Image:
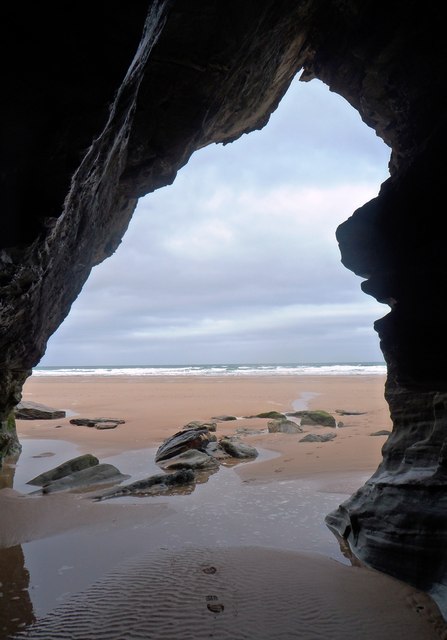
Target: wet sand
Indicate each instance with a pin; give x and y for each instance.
(279, 571)
(155, 408)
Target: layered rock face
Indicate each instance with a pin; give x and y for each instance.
(105, 101)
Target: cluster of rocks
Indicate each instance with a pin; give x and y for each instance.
(188, 457)
(197, 446)
(78, 473)
(281, 423)
(184, 458)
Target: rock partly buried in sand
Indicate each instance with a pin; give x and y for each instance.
(97, 423)
(199, 424)
(215, 450)
(152, 485)
(183, 441)
(44, 454)
(315, 418)
(247, 431)
(99, 474)
(273, 415)
(223, 418)
(66, 468)
(284, 426)
(237, 449)
(191, 459)
(315, 437)
(34, 411)
(382, 432)
(343, 412)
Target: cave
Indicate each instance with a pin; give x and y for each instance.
(105, 102)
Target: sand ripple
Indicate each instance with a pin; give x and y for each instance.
(241, 593)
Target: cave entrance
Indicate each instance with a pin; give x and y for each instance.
(237, 261)
(243, 268)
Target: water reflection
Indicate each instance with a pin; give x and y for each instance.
(219, 510)
(7, 471)
(16, 609)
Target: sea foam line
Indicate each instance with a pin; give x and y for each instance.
(217, 370)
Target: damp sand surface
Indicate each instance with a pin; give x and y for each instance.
(245, 554)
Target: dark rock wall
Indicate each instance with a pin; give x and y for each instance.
(105, 101)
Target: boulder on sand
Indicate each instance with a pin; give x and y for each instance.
(238, 449)
(26, 410)
(284, 426)
(182, 441)
(315, 418)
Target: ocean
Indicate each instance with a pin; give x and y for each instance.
(218, 370)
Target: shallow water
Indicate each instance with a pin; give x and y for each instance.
(241, 593)
(221, 511)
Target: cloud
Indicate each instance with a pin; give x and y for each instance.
(237, 260)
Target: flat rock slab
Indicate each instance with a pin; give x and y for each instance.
(315, 437)
(199, 424)
(66, 468)
(223, 418)
(153, 485)
(97, 423)
(382, 432)
(26, 410)
(343, 412)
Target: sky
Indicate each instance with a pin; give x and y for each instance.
(237, 261)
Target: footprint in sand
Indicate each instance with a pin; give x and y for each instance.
(209, 570)
(213, 606)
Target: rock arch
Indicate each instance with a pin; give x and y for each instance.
(104, 102)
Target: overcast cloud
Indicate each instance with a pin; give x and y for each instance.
(237, 261)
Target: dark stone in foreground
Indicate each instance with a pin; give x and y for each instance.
(26, 410)
(66, 468)
(315, 437)
(99, 474)
(152, 485)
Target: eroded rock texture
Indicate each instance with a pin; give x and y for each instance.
(105, 101)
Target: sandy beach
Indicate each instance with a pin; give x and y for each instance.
(249, 526)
